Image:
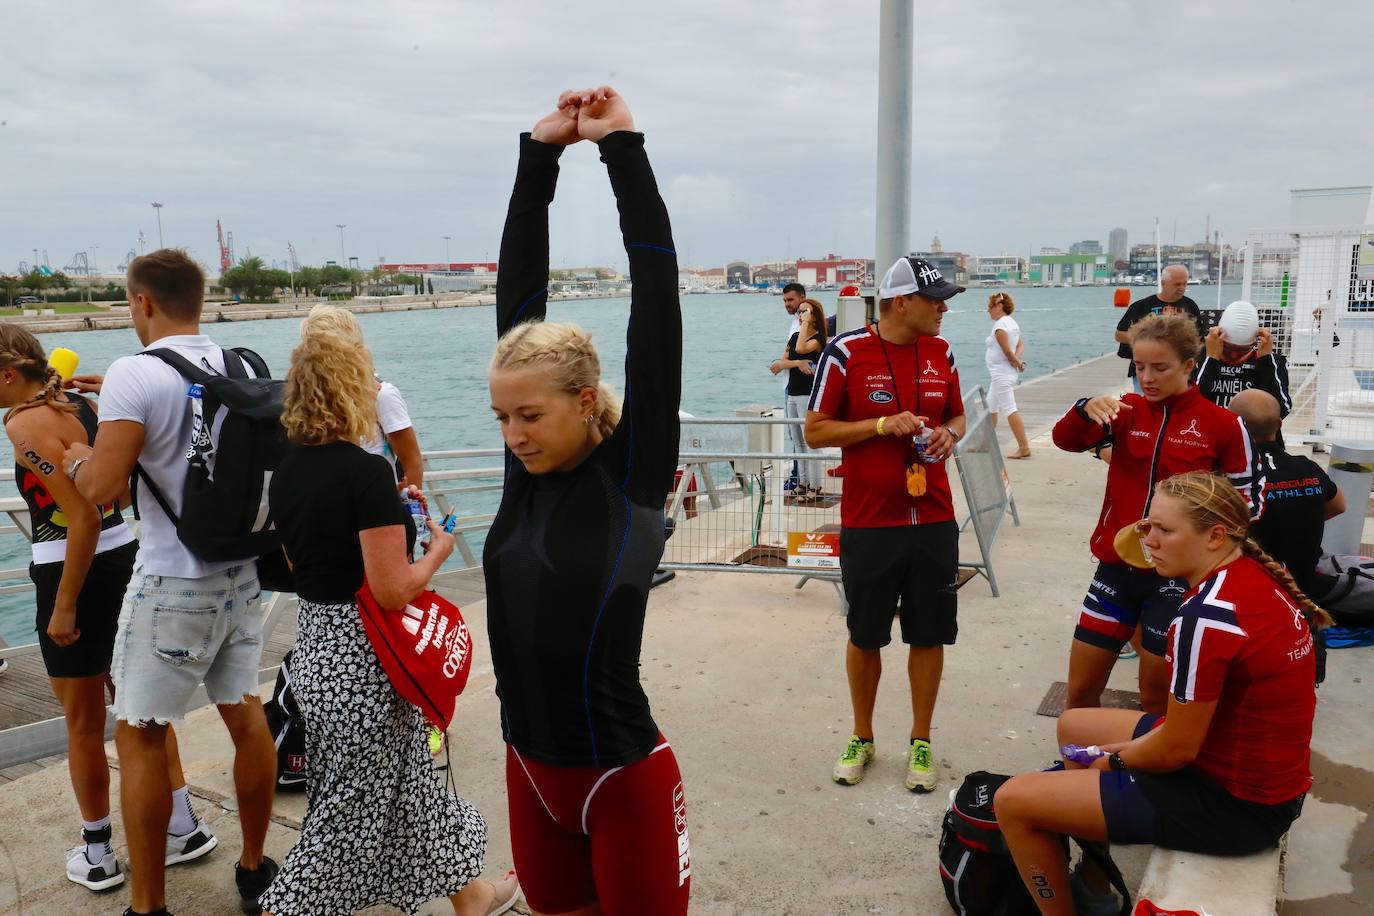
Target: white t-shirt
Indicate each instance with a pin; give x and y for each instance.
(996, 359)
(392, 416)
(146, 390)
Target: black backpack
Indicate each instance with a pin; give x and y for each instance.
(288, 730)
(1349, 589)
(236, 443)
(976, 867)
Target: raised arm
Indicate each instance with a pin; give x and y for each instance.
(653, 357)
(522, 276)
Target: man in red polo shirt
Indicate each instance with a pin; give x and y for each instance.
(879, 391)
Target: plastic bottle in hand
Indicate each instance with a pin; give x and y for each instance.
(421, 519)
(921, 441)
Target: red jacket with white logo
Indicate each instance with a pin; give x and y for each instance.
(1153, 442)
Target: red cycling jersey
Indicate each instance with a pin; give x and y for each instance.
(854, 382)
(1239, 641)
(1153, 441)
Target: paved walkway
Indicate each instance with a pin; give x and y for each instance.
(745, 674)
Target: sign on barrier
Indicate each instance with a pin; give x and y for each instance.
(813, 550)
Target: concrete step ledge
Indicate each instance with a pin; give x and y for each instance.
(1220, 885)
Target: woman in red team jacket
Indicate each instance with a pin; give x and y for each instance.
(1167, 429)
(1226, 771)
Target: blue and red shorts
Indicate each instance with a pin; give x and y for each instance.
(617, 836)
(1119, 598)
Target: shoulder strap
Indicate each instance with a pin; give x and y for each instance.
(254, 361)
(180, 363)
(152, 488)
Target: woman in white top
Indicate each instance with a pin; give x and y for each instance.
(1004, 352)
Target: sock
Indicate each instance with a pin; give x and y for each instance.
(864, 740)
(97, 836)
(184, 819)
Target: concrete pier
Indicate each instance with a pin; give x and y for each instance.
(745, 674)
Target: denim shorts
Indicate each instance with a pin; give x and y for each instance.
(175, 634)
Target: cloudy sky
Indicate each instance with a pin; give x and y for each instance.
(1036, 123)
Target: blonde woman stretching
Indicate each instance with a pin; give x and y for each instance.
(598, 816)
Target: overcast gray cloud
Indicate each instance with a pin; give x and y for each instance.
(1037, 124)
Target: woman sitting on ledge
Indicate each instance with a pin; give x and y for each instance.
(1226, 770)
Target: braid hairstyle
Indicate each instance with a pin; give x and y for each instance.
(567, 356)
(21, 351)
(1208, 500)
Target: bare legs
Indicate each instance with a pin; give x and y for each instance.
(1091, 666)
(1035, 809)
(255, 773)
(864, 668)
(83, 704)
(1018, 429)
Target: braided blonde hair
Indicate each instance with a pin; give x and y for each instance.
(21, 351)
(566, 354)
(1209, 500)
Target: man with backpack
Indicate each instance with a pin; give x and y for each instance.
(185, 619)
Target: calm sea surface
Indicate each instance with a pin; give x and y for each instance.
(438, 359)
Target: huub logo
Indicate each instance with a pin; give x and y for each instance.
(684, 847)
(930, 369)
(1192, 430)
(930, 274)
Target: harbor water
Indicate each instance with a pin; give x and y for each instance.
(438, 359)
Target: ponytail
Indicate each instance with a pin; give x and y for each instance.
(607, 409)
(1314, 615)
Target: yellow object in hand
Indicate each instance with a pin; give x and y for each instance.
(64, 361)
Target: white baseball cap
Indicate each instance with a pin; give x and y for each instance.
(909, 275)
(1239, 324)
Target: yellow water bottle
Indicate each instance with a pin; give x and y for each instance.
(64, 361)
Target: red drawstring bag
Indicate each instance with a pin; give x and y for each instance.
(425, 649)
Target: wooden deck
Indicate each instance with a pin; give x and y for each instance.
(26, 697)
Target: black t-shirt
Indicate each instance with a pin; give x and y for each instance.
(1296, 491)
(1151, 305)
(798, 382)
(321, 497)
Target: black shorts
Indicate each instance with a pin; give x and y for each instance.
(97, 612)
(911, 570)
(1121, 597)
(1185, 810)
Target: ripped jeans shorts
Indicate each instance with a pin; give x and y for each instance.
(175, 634)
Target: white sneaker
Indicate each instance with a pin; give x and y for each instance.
(849, 769)
(99, 877)
(191, 845)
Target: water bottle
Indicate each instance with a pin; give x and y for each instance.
(421, 519)
(1083, 756)
(921, 442)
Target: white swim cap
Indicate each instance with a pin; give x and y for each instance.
(1239, 324)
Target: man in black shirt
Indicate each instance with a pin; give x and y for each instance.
(1298, 495)
(1233, 365)
(1173, 283)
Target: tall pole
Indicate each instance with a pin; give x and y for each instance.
(157, 207)
(343, 259)
(1221, 267)
(1159, 271)
(446, 255)
(896, 29)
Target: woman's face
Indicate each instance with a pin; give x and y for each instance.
(545, 428)
(1161, 373)
(995, 309)
(1177, 548)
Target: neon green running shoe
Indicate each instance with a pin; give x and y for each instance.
(849, 769)
(920, 769)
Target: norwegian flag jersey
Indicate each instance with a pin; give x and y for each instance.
(1239, 641)
(1153, 441)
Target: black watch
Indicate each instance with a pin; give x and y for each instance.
(1116, 763)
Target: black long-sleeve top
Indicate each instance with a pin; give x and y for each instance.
(570, 555)
(1219, 381)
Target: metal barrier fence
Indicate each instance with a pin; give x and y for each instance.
(731, 511)
(1314, 289)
